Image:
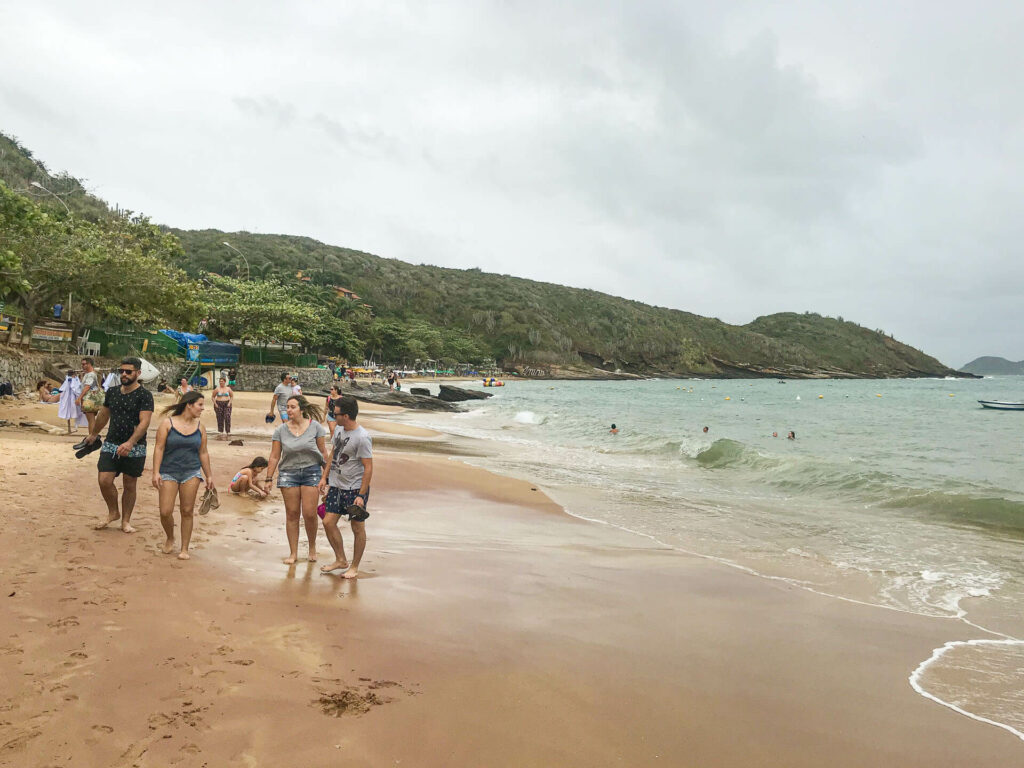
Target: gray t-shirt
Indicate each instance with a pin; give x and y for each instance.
(89, 380)
(300, 452)
(349, 447)
(282, 392)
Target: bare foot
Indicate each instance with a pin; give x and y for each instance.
(168, 547)
(312, 556)
(127, 528)
(337, 565)
(351, 573)
(183, 556)
(110, 519)
(290, 560)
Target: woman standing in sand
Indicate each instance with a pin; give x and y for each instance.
(179, 462)
(223, 399)
(91, 399)
(332, 398)
(299, 451)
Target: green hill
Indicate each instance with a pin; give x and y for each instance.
(994, 366)
(421, 310)
(535, 324)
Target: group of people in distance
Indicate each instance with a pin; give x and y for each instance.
(305, 467)
(791, 436)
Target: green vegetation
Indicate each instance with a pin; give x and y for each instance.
(120, 268)
(532, 324)
(286, 288)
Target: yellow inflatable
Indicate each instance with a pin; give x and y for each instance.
(492, 382)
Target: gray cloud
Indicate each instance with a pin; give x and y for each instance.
(727, 159)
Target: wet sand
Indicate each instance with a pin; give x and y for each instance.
(487, 628)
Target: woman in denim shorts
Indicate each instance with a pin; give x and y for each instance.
(179, 462)
(298, 453)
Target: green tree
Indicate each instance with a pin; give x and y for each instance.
(257, 312)
(44, 251)
(118, 268)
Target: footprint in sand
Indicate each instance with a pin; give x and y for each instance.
(103, 728)
(68, 621)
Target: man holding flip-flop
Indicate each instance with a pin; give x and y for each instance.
(129, 409)
(346, 480)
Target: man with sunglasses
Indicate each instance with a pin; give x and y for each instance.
(129, 409)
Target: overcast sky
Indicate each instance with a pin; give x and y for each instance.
(731, 159)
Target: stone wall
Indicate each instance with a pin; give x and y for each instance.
(263, 378)
(24, 369)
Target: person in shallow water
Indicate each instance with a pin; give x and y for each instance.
(705, 430)
(791, 436)
(614, 430)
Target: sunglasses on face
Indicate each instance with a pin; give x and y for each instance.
(126, 371)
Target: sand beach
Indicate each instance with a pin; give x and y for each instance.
(487, 628)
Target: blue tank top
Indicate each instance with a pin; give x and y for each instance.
(181, 452)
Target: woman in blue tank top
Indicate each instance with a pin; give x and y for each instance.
(179, 463)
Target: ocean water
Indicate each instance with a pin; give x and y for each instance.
(904, 494)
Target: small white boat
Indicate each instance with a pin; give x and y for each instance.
(1002, 405)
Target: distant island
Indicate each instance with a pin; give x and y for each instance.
(994, 366)
(340, 302)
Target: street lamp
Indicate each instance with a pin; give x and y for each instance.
(40, 186)
(229, 245)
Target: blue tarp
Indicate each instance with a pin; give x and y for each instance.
(184, 339)
(197, 347)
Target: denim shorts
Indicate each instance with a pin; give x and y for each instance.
(283, 413)
(303, 476)
(181, 477)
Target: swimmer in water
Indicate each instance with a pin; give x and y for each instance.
(705, 430)
(791, 436)
(614, 430)
(775, 434)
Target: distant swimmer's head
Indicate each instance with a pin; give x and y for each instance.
(775, 434)
(614, 430)
(791, 436)
(705, 430)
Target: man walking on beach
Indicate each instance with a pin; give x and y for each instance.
(279, 400)
(346, 480)
(129, 409)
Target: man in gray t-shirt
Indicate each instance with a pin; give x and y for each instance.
(346, 481)
(279, 400)
(348, 448)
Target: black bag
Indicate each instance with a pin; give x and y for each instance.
(6, 389)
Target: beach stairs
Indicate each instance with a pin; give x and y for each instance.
(188, 371)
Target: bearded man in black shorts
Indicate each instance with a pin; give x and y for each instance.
(129, 409)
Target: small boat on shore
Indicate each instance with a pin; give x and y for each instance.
(1002, 405)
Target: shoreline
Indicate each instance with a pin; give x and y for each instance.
(485, 612)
